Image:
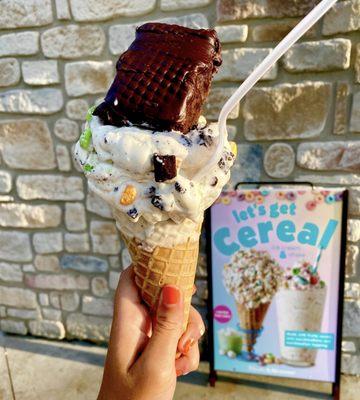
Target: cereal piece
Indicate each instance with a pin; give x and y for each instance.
(128, 196)
(85, 138)
(233, 147)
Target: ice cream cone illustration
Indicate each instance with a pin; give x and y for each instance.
(253, 278)
(148, 152)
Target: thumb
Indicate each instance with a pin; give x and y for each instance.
(167, 329)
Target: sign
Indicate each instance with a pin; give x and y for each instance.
(277, 271)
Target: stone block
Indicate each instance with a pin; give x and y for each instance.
(68, 301)
(10, 272)
(353, 230)
(102, 10)
(329, 156)
(57, 282)
(276, 31)
(341, 108)
(24, 13)
(354, 200)
(18, 215)
(239, 63)
(9, 72)
(83, 263)
(22, 141)
(114, 262)
(77, 109)
(28, 268)
(352, 254)
(274, 113)
(87, 327)
(114, 279)
(19, 44)
(73, 41)
(17, 297)
(50, 187)
(214, 103)
(49, 242)
(66, 130)
(48, 329)
(232, 33)
(44, 299)
(75, 218)
(51, 314)
(5, 182)
(351, 321)
(355, 114)
(97, 205)
(63, 158)
(173, 5)
(279, 160)
(357, 64)
(104, 237)
(95, 306)
(47, 263)
(350, 364)
(233, 10)
(343, 17)
(15, 246)
(77, 242)
(247, 166)
(88, 77)
(62, 9)
(121, 36)
(318, 56)
(352, 290)
(11, 326)
(40, 72)
(99, 286)
(22, 314)
(35, 101)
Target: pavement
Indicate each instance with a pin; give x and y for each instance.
(36, 369)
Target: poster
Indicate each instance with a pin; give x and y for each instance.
(275, 281)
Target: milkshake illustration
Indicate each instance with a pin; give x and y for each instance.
(230, 342)
(253, 278)
(300, 305)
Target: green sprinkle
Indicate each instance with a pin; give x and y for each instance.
(90, 113)
(88, 167)
(303, 281)
(322, 284)
(85, 138)
(296, 271)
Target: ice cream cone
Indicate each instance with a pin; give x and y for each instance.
(164, 266)
(251, 321)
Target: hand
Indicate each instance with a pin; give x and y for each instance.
(145, 356)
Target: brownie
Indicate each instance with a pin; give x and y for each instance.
(163, 79)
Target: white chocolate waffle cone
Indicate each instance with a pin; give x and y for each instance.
(164, 266)
(251, 321)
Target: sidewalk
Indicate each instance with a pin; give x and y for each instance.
(33, 369)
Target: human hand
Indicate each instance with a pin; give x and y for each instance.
(145, 356)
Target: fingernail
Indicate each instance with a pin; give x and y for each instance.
(202, 331)
(170, 295)
(179, 372)
(187, 345)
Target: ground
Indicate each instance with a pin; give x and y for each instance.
(34, 369)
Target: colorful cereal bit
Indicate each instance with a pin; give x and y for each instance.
(85, 139)
(280, 195)
(338, 196)
(301, 192)
(241, 197)
(330, 199)
(259, 199)
(232, 193)
(90, 113)
(319, 198)
(233, 148)
(325, 192)
(249, 197)
(88, 168)
(264, 192)
(128, 196)
(290, 196)
(311, 205)
(226, 201)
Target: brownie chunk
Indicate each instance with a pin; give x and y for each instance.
(163, 79)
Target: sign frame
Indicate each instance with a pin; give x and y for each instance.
(213, 373)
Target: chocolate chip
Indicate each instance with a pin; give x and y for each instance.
(214, 181)
(179, 188)
(105, 140)
(116, 188)
(151, 190)
(164, 167)
(205, 140)
(221, 163)
(133, 213)
(157, 202)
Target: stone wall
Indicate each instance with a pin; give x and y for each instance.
(58, 245)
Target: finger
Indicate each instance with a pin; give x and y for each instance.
(195, 329)
(167, 329)
(188, 362)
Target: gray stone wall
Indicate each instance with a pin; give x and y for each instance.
(59, 248)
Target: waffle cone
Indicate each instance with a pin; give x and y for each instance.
(164, 266)
(251, 319)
